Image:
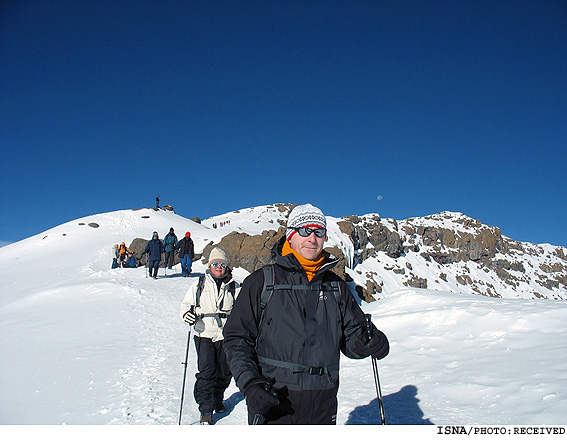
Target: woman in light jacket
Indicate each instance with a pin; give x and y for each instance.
(206, 305)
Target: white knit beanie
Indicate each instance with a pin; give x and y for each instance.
(304, 216)
(217, 255)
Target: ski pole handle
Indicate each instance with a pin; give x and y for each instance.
(368, 325)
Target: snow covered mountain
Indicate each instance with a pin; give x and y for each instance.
(83, 344)
(444, 252)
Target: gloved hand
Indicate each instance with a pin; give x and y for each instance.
(189, 317)
(372, 342)
(261, 397)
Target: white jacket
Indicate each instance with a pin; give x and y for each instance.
(212, 301)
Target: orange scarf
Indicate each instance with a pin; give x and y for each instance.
(310, 266)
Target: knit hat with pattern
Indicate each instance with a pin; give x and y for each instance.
(304, 216)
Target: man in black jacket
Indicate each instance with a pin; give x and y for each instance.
(186, 254)
(283, 348)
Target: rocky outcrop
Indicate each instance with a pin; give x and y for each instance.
(251, 252)
(449, 241)
(246, 251)
(446, 251)
(370, 236)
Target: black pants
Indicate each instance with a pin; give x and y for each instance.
(169, 258)
(300, 407)
(214, 374)
(154, 266)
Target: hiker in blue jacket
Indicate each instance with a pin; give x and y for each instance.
(154, 248)
(170, 242)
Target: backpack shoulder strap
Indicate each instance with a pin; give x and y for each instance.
(336, 288)
(200, 286)
(232, 291)
(267, 290)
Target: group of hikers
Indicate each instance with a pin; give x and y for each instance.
(279, 333)
(124, 257)
(222, 224)
(155, 248)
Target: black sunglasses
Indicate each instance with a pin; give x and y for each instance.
(217, 264)
(306, 231)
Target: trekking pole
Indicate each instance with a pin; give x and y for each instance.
(184, 374)
(368, 323)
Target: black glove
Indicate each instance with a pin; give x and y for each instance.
(372, 342)
(261, 397)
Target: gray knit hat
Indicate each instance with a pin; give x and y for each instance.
(304, 216)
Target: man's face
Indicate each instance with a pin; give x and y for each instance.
(219, 270)
(309, 247)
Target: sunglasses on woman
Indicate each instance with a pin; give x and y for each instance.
(217, 264)
(306, 231)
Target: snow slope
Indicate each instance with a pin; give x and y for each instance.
(83, 344)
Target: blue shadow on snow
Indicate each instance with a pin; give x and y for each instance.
(400, 408)
(230, 403)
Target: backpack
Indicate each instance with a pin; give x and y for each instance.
(131, 262)
(201, 284)
(270, 287)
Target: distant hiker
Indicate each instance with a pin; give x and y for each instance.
(130, 261)
(157, 202)
(206, 305)
(123, 253)
(154, 248)
(170, 242)
(186, 254)
(116, 256)
(288, 326)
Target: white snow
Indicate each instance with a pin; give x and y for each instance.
(82, 344)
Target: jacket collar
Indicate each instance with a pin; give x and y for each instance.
(227, 278)
(291, 262)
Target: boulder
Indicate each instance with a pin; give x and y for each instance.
(246, 251)
(138, 246)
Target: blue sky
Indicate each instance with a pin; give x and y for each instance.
(221, 105)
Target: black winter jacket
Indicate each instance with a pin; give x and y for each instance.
(186, 246)
(299, 327)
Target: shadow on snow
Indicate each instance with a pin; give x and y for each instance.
(230, 403)
(400, 408)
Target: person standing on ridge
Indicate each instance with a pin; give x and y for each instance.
(154, 248)
(170, 242)
(186, 254)
(206, 305)
(157, 202)
(290, 322)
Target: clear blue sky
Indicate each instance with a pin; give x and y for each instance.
(220, 105)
